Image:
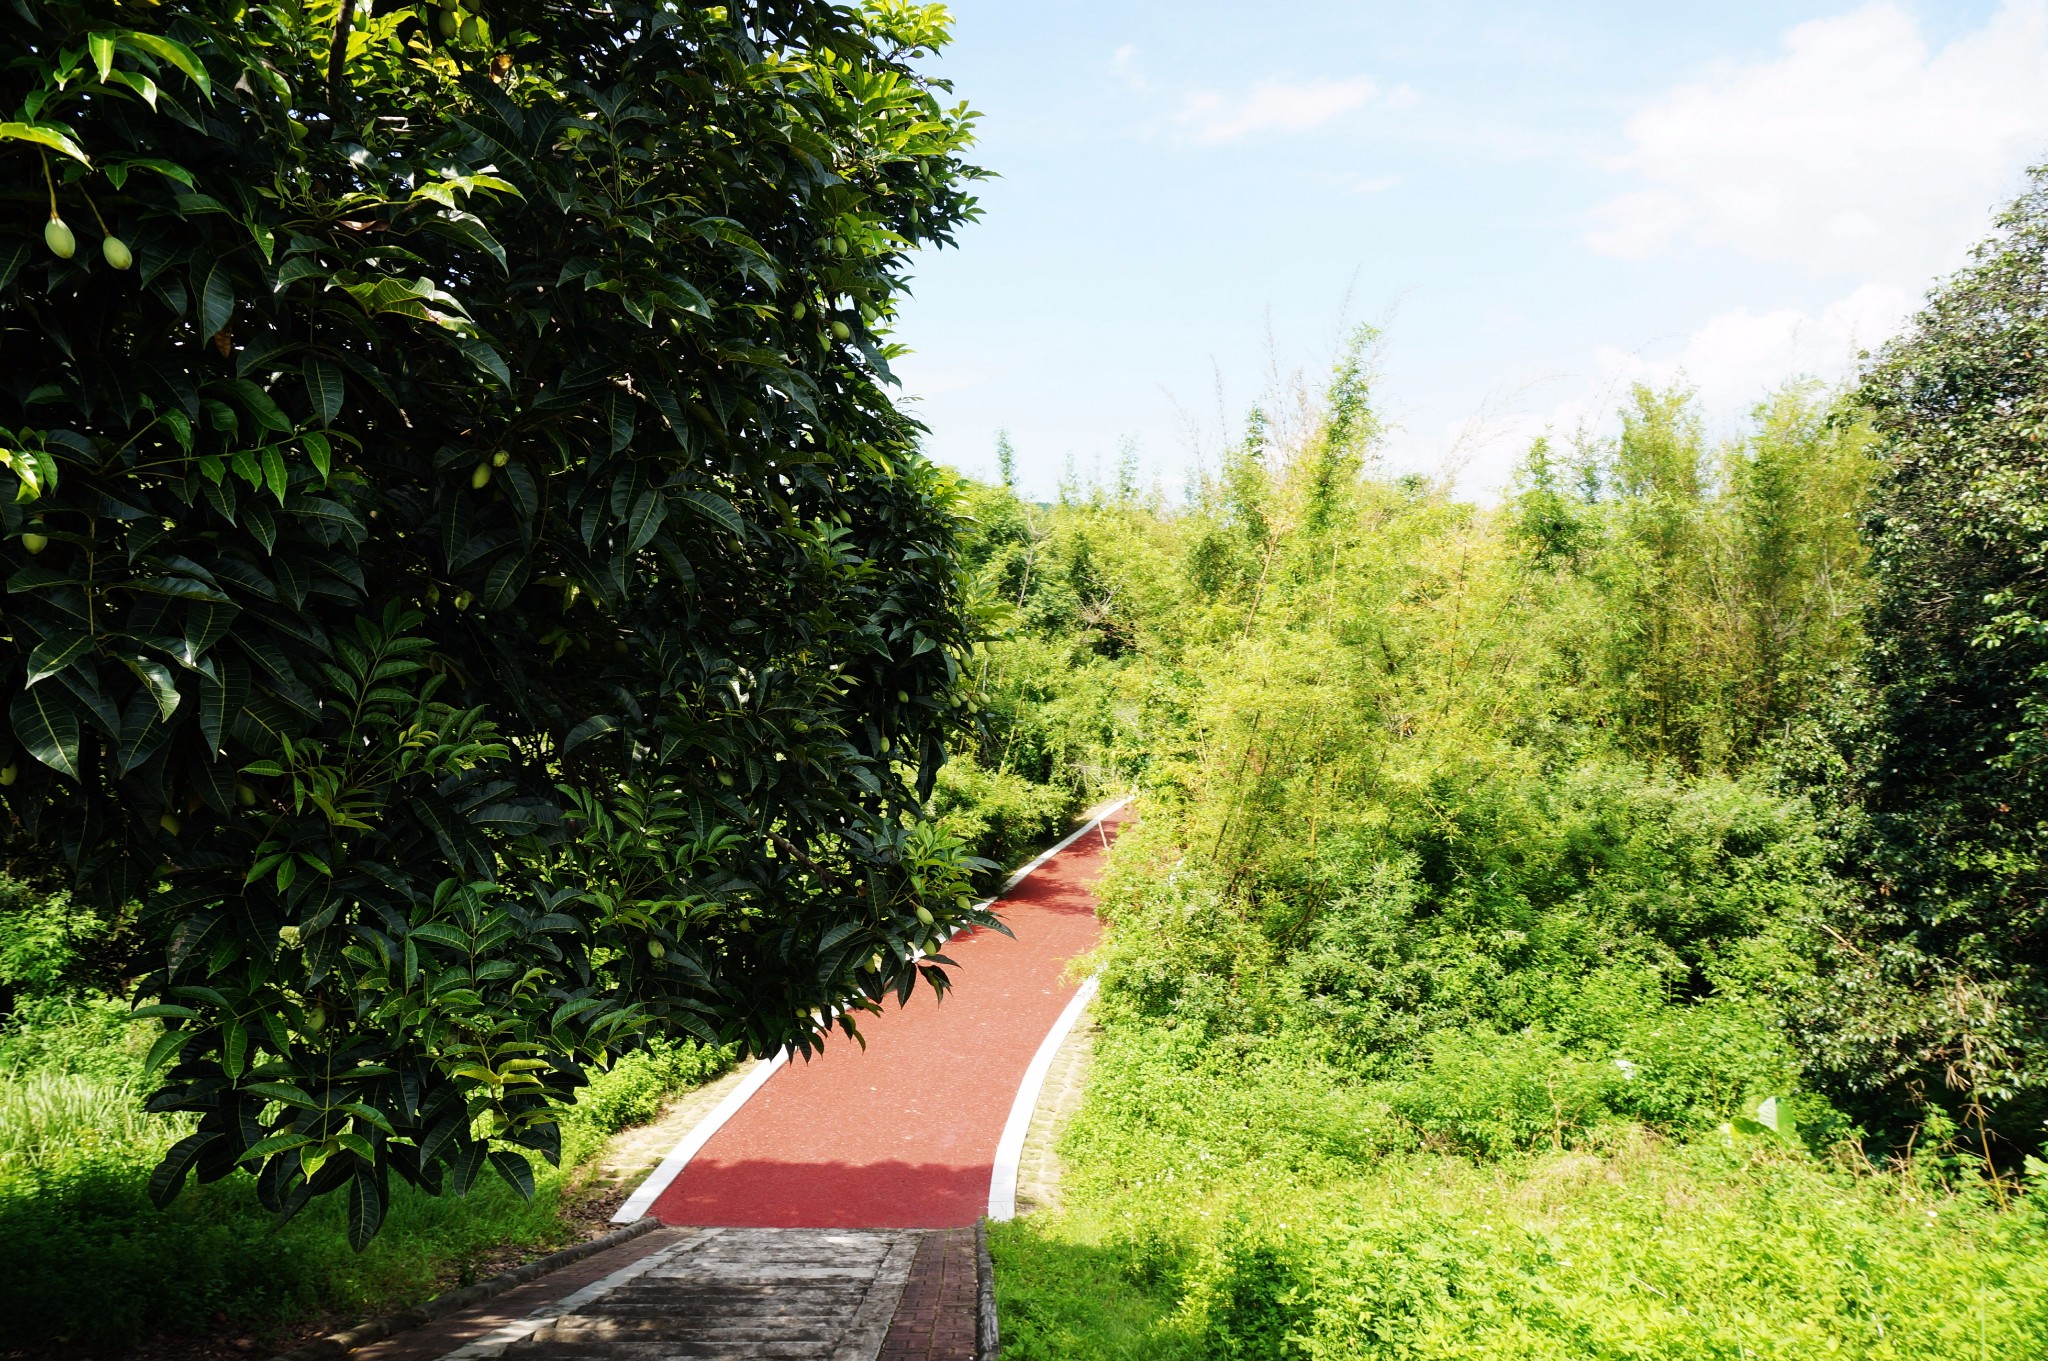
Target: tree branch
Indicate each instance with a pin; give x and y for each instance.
(337, 55)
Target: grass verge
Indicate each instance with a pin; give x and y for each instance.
(92, 1266)
(1249, 1217)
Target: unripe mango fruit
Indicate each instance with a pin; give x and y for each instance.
(481, 478)
(34, 542)
(117, 253)
(58, 237)
(9, 773)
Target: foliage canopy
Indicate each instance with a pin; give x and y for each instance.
(468, 587)
(1939, 979)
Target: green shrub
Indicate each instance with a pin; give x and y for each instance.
(1210, 1213)
(1062, 1299)
(999, 814)
(93, 1261)
(39, 938)
(1490, 1095)
(81, 1033)
(1690, 1068)
(1936, 989)
(634, 1089)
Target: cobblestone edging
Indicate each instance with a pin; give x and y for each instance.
(988, 1338)
(377, 1329)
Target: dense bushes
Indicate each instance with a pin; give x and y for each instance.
(1458, 977)
(634, 1089)
(1936, 990)
(92, 1260)
(1001, 814)
(1637, 1251)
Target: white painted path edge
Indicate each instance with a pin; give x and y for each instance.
(642, 1200)
(1002, 1183)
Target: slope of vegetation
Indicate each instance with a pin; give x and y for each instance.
(1468, 982)
(92, 1263)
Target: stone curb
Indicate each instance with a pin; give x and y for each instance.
(377, 1329)
(988, 1341)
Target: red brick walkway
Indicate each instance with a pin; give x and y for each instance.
(831, 1218)
(935, 1316)
(902, 1133)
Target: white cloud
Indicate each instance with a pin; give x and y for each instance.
(1738, 356)
(1857, 150)
(1733, 361)
(1274, 106)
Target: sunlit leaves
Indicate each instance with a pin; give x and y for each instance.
(50, 135)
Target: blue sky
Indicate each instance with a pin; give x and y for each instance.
(1539, 205)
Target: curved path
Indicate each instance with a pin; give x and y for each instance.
(903, 1133)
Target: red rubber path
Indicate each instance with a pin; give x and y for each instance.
(903, 1134)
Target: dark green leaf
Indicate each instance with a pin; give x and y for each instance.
(326, 390)
(56, 652)
(715, 508)
(515, 1169)
(47, 724)
(584, 731)
(365, 1206)
(216, 301)
(169, 1177)
(649, 510)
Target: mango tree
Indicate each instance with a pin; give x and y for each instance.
(471, 601)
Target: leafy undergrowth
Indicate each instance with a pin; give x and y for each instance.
(92, 1264)
(1272, 1209)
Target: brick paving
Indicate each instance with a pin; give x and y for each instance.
(935, 1316)
(437, 1339)
(680, 1294)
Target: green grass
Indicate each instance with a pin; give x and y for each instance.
(1251, 1211)
(92, 1262)
(1062, 1293)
